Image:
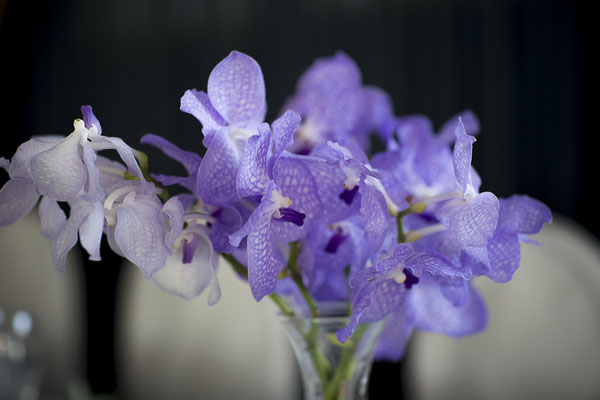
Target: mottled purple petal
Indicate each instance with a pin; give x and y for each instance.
(252, 177)
(218, 170)
(59, 172)
(17, 198)
(523, 215)
(471, 223)
(4, 164)
(394, 337)
(198, 104)
(361, 304)
(284, 128)
(236, 88)
(436, 264)
(52, 217)
(470, 123)
(433, 312)
(504, 252)
(463, 150)
(140, 236)
(228, 221)
(331, 75)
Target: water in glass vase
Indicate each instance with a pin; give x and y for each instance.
(332, 370)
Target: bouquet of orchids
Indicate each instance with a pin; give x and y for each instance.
(302, 208)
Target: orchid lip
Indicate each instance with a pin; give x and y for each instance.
(336, 240)
(348, 195)
(291, 215)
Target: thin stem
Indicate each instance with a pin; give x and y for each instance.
(332, 391)
(297, 278)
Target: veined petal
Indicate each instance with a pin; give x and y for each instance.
(463, 150)
(189, 280)
(90, 231)
(236, 88)
(140, 236)
(17, 198)
(471, 223)
(20, 163)
(394, 337)
(218, 170)
(198, 104)
(504, 252)
(522, 215)
(284, 128)
(436, 264)
(59, 172)
(469, 120)
(66, 237)
(92, 189)
(173, 211)
(433, 312)
(330, 75)
(252, 177)
(52, 217)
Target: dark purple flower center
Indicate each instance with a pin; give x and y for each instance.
(291, 215)
(348, 195)
(410, 279)
(335, 241)
(189, 248)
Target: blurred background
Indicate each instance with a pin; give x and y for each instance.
(524, 68)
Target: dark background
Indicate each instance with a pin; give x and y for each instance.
(522, 66)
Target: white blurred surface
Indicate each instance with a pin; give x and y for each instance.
(174, 349)
(543, 338)
(29, 281)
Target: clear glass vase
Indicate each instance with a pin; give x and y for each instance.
(330, 369)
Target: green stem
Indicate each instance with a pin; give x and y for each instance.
(332, 391)
(297, 278)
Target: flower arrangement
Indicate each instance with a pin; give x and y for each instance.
(305, 208)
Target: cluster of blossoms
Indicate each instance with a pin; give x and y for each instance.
(301, 207)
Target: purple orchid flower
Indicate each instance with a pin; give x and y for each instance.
(407, 285)
(192, 265)
(518, 216)
(229, 113)
(334, 105)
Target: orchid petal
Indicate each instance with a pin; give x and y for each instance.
(140, 236)
(522, 215)
(17, 198)
(198, 104)
(173, 211)
(90, 119)
(252, 178)
(463, 150)
(218, 170)
(236, 88)
(59, 172)
(52, 217)
(433, 312)
(90, 231)
(189, 280)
